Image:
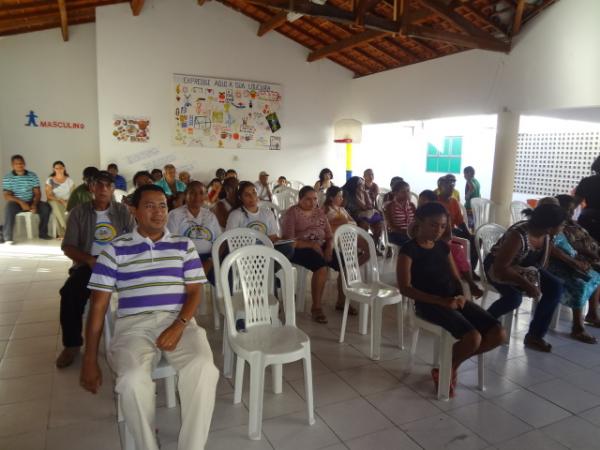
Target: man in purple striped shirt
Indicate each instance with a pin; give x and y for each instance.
(158, 277)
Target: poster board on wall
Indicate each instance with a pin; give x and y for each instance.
(225, 113)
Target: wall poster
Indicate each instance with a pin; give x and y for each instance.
(223, 113)
(131, 129)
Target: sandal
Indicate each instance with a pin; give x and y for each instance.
(351, 309)
(536, 343)
(435, 374)
(592, 322)
(318, 316)
(584, 337)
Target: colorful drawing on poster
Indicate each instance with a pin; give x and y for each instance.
(131, 129)
(221, 113)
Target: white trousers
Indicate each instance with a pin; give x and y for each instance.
(133, 355)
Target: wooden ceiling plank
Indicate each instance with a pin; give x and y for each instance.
(274, 22)
(363, 7)
(64, 20)
(518, 18)
(482, 18)
(461, 40)
(53, 18)
(136, 6)
(31, 11)
(345, 44)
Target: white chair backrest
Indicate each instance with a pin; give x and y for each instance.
(481, 208)
(486, 237)
(296, 185)
(345, 242)
(516, 208)
(415, 199)
(379, 201)
(285, 198)
(463, 211)
(383, 190)
(118, 194)
(253, 265)
(235, 239)
(276, 210)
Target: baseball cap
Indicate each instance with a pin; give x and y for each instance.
(263, 174)
(104, 175)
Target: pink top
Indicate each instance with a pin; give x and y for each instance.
(312, 227)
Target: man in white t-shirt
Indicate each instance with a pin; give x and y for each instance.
(198, 223)
(91, 227)
(262, 187)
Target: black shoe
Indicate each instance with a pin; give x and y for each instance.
(45, 237)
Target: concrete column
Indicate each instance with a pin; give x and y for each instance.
(503, 177)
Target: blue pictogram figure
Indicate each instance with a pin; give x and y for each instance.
(32, 119)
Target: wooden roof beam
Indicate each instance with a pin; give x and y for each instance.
(345, 44)
(518, 18)
(64, 20)
(274, 22)
(461, 40)
(454, 18)
(481, 17)
(136, 6)
(364, 6)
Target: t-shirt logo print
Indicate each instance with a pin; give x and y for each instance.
(198, 232)
(258, 226)
(105, 233)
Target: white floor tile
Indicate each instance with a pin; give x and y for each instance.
(353, 418)
(534, 440)
(235, 438)
(31, 346)
(442, 431)
(521, 373)
(566, 395)
(277, 404)
(403, 405)
(489, 421)
(388, 439)
(27, 330)
(495, 384)
(531, 409)
(369, 379)
(293, 432)
(226, 414)
(27, 388)
(574, 432)
(27, 441)
(17, 418)
(89, 435)
(328, 388)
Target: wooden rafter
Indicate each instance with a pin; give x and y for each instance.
(136, 7)
(518, 19)
(363, 7)
(274, 22)
(460, 40)
(31, 10)
(64, 20)
(482, 18)
(345, 44)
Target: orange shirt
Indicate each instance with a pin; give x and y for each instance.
(451, 204)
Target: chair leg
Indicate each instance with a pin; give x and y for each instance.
(376, 312)
(400, 319)
(344, 320)
(257, 382)
(414, 341)
(437, 343)
(227, 357)
(239, 380)
(277, 375)
(363, 318)
(445, 374)
(308, 388)
(507, 321)
(481, 372)
(556, 317)
(170, 392)
(216, 314)
(29, 225)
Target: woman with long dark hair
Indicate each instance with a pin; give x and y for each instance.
(516, 265)
(360, 207)
(227, 200)
(248, 213)
(59, 186)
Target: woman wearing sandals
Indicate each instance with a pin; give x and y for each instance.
(582, 282)
(427, 274)
(516, 265)
(307, 225)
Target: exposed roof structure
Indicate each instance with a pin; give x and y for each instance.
(364, 36)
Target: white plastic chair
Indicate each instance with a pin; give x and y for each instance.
(263, 344)
(296, 185)
(414, 198)
(371, 292)
(442, 355)
(235, 239)
(118, 194)
(516, 208)
(285, 198)
(463, 211)
(162, 371)
(276, 210)
(388, 247)
(481, 208)
(27, 217)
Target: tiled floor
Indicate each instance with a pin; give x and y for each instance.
(532, 401)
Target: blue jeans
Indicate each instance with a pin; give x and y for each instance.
(511, 298)
(13, 208)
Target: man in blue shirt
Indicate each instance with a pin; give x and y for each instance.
(22, 193)
(120, 182)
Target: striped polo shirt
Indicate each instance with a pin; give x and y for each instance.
(401, 214)
(21, 185)
(149, 276)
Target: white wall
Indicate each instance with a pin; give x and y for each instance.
(554, 64)
(138, 55)
(57, 80)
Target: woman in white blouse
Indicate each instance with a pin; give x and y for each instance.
(58, 189)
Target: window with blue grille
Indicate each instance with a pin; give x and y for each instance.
(446, 159)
